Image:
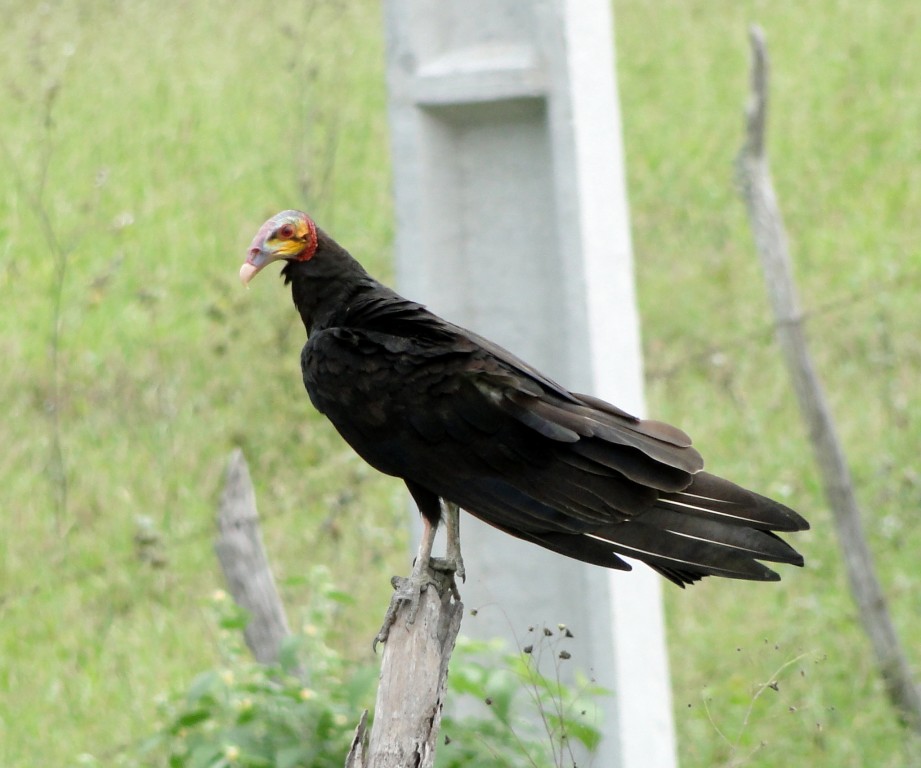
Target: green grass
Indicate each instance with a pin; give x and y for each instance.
(166, 133)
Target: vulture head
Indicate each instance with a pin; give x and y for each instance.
(289, 235)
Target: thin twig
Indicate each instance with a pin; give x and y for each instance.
(772, 680)
(38, 200)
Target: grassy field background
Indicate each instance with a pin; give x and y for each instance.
(142, 144)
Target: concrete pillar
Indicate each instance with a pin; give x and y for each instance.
(512, 220)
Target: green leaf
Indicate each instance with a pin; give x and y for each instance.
(295, 580)
(234, 620)
(256, 761)
(583, 732)
(206, 756)
(246, 716)
(502, 704)
(203, 684)
(343, 598)
(188, 719)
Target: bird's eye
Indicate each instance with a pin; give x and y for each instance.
(285, 232)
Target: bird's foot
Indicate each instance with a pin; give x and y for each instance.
(451, 569)
(405, 590)
(439, 574)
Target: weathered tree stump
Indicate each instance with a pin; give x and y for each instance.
(413, 682)
(246, 568)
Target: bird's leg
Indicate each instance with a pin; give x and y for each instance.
(423, 558)
(409, 590)
(453, 560)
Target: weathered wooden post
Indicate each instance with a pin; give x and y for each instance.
(414, 666)
(512, 220)
(413, 681)
(246, 568)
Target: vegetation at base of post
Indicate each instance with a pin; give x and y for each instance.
(515, 714)
(298, 713)
(302, 712)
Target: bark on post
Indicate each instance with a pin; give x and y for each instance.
(771, 242)
(246, 567)
(413, 681)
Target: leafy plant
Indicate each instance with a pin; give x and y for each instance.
(302, 711)
(530, 719)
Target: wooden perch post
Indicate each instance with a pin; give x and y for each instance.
(246, 567)
(413, 681)
(414, 667)
(771, 242)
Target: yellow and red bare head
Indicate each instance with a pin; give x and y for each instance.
(289, 235)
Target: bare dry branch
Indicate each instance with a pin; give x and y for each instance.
(771, 242)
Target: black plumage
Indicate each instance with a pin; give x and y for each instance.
(459, 418)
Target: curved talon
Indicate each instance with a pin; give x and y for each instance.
(406, 590)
